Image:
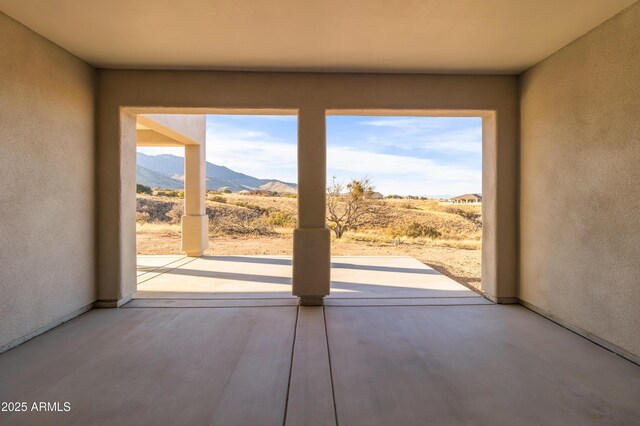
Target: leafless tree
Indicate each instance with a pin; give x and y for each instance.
(350, 206)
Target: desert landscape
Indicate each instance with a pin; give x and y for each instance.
(440, 234)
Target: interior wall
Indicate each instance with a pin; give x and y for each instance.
(580, 191)
(47, 164)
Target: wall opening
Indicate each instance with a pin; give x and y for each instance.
(252, 184)
(246, 180)
(404, 192)
(159, 200)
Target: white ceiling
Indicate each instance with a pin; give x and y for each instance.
(449, 36)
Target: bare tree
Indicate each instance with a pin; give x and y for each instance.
(349, 206)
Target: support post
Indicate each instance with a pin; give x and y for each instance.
(116, 208)
(499, 227)
(311, 238)
(195, 224)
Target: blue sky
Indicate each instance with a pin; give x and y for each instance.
(402, 155)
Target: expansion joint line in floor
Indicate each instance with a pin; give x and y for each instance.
(326, 338)
(293, 350)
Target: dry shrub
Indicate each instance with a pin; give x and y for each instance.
(255, 207)
(142, 217)
(171, 193)
(409, 206)
(240, 226)
(233, 220)
(217, 199)
(153, 209)
(469, 214)
(176, 212)
(413, 230)
(284, 204)
(431, 214)
(281, 219)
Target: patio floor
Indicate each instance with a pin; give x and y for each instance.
(219, 340)
(378, 280)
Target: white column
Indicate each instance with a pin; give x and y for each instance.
(195, 224)
(311, 239)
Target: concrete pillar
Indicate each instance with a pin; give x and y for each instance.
(499, 228)
(195, 224)
(116, 208)
(311, 239)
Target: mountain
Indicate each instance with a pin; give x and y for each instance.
(154, 179)
(167, 172)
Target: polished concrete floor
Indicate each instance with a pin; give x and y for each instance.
(219, 341)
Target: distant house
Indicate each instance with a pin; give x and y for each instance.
(467, 198)
(244, 192)
(374, 196)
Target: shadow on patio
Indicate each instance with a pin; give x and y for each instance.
(270, 277)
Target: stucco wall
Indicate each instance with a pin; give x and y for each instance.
(122, 92)
(580, 175)
(47, 164)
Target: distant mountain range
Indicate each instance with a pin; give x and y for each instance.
(167, 172)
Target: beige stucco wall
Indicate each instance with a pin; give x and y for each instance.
(47, 165)
(122, 92)
(184, 128)
(580, 175)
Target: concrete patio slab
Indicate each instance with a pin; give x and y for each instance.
(148, 263)
(153, 272)
(310, 400)
(259, 277)
(365, 360)
(224, 277)
(390, 276)
(156, 366)
(405, 365)
(209, 303)
(402, 301)
(480, 365)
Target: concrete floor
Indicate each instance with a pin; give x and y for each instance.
(269, 277)
(396, 343)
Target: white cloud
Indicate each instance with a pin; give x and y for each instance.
(421, 123)
(409, 123)
(255, 153)
(442, 134)
(402, 174)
